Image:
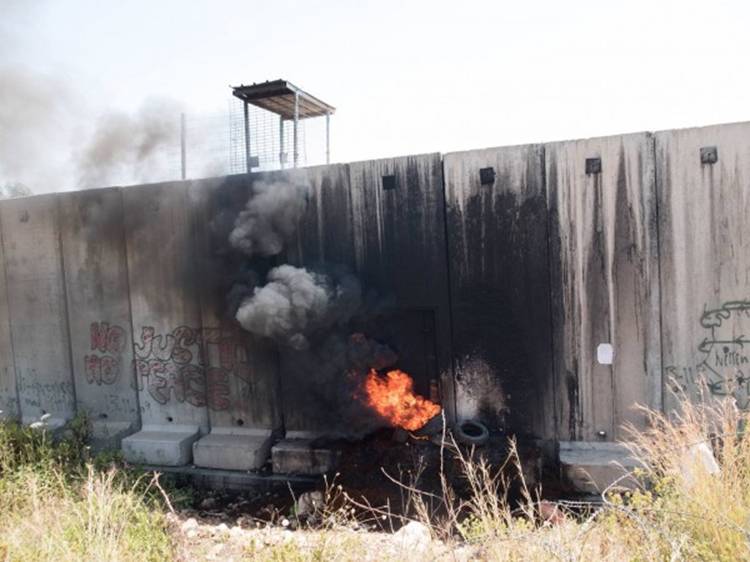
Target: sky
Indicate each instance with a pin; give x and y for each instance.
(406, 76)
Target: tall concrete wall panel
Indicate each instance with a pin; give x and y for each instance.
(9, 408)
(119, 302)
(324, 238)
(499, 270)
(326, 232)
(398, 210)
(101, 338)
(166, 313)
(704, 203)
(604, 255)
(36, 301)
(241, 370)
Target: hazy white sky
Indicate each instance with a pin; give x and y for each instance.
(405, 76)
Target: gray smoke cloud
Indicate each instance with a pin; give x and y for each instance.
(47, 141)
(269, 218)
(130, 145)
(36, 116)
(53, 138)
(295, 303)
(318, 316)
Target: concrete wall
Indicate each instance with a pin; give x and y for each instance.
(705, 260)
(165, 305)
(113, 301)
(604, 280)
(97, 290)
(9, 406)
(37, 311)
(241, 370)
(394, 240)
(325, 236)
(499, 272)
(400, 252)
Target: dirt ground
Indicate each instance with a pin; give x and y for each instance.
(268, 524)
(202, 539)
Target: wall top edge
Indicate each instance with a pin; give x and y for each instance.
(448, 155)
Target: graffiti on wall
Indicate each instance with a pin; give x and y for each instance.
(724, 353)
(104, 364)
(170, 366)
(188, 364)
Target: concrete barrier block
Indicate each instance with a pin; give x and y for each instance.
(590, 467)
(233, 449)
(106, 435)
(301, 456)
(161, 445)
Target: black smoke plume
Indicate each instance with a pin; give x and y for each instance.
(313, 314)
(296, 303)
(269, 218)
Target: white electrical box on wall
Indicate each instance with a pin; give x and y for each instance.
(605, 353)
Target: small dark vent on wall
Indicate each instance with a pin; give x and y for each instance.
(593, 166)
(487, 176)
(709, 155)
(389, 182)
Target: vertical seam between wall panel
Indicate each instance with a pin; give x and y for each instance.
(194, 217)
(58, 222)
(10, 329)
(134, 374)
(448, 270)
(553, 361)
(657, 207)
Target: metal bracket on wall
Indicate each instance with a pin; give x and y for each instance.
(593, 166)
(709, 155)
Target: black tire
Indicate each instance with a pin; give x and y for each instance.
(472, 432)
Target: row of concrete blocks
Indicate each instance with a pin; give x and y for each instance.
(227, 449)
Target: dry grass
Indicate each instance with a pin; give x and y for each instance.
(680, 510)
(55, 506)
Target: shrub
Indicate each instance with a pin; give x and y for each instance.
(57, 506)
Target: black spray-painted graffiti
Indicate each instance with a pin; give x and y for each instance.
(187, 364)
(170, 365)
(190, 365)
(725, 355)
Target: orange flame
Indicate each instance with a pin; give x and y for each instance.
(392, 396)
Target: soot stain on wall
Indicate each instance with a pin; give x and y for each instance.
(500, 284)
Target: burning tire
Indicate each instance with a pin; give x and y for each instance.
(472, 432)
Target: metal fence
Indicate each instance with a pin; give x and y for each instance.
(214, 143)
